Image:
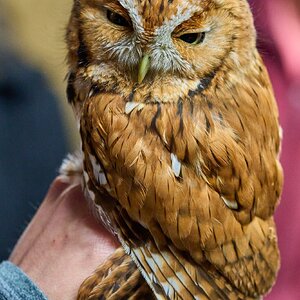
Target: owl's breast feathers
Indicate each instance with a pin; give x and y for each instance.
(199, 171)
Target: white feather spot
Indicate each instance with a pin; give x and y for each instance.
(91, 194)
(97, 171)
(96, 166)
(102, 179)
(130, 106)
(230, 204)
(86, 176)
(176, 165)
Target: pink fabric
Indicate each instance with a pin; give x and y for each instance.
(278, 23)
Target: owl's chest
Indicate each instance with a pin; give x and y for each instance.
(150, 149)
(141, 146)
(182, 128)
(195, 132)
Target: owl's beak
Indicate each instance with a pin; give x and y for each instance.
(143, 67)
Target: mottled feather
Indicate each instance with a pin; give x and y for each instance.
(183, 166)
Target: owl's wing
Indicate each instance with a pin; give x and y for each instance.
(199, 180)
(172, 275)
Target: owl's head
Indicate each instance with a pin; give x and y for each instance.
(146, 39)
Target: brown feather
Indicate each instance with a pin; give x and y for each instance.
(190, 155)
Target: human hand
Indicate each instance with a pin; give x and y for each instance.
(63, 244)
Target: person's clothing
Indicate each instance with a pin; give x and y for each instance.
(16, 285)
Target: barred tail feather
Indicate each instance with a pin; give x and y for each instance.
(116, 279)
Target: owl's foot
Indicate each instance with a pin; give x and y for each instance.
(117, 278)
(71, 169)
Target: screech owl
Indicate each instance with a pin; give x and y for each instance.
(180, 146)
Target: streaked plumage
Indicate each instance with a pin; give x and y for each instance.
(180, 142)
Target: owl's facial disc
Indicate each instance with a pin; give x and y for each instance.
(153, 42)
(145, 41)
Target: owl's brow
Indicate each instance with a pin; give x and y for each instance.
(183, 14)
(132, 10)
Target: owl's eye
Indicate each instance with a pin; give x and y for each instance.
(193, 38)
(117, 19)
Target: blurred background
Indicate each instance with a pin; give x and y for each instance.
(37, 127)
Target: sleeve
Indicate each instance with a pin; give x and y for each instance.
(15, 284)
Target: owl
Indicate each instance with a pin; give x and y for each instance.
(180, 144)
